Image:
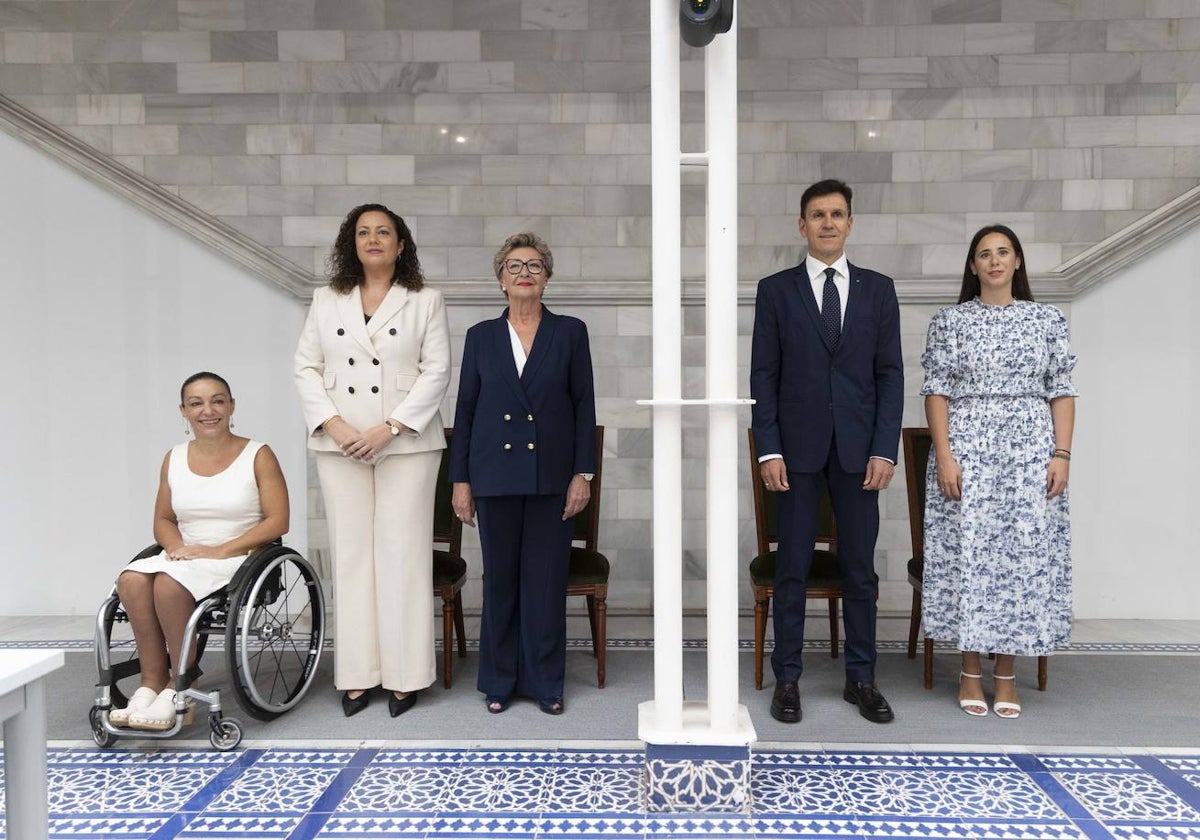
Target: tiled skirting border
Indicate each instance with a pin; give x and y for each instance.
(321, 793)
(700, 644)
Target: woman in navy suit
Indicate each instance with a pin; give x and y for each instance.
(521, 458)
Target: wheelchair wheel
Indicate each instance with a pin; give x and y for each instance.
(275, 633)
(102, 738)
(225, 734)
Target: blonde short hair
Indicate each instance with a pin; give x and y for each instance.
(525, 239)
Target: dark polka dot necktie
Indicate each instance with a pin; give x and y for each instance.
(831, 310)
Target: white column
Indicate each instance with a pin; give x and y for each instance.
(667, 714)
(720, 297)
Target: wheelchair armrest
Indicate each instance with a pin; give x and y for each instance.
(148, 551)
(250, 563)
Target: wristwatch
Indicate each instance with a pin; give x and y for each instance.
(587, 476)
(394, 426)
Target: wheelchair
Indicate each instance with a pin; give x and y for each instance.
(272, 617)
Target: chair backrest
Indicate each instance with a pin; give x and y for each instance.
(766, 509)
(447, 528)
(587, 521)
(917, 443)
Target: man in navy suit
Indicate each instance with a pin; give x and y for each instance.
(828, 384)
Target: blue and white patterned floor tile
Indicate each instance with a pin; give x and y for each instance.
(303, 794)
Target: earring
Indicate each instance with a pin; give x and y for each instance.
(187, 429)
(231, 424)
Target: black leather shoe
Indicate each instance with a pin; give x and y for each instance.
(869, 700)
(398, 706)
(785, 703)
(353, 705)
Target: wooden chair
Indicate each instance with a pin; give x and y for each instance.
(588, 573)
(825, 574)
(917, 444)
(449, 569)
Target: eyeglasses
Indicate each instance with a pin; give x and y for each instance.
(514, 266)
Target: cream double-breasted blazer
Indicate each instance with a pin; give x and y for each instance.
(396, 366)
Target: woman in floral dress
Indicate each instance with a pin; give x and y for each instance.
(1001, 410)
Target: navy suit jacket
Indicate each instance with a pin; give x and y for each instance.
(527, 435)
(805, 390)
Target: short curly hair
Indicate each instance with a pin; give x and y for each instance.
(345, 268)
(524, 239)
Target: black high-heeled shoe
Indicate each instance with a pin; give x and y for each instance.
(353, 705)
(399, 705)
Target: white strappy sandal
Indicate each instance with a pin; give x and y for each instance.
(975, 708)
(1002, 706)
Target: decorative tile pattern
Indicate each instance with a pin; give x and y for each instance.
(433, 793)
(697, 779)
(216, 643)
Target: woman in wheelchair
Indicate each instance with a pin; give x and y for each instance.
(220, 496)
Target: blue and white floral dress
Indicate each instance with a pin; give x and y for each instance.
(998, 561)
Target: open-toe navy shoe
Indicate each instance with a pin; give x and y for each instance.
(552, 706)
(496, 704)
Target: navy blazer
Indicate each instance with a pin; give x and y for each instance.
(805, 390)
(529, 435)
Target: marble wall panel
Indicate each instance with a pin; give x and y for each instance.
(959, 71)
(211, 139)
(281, 14)
(1027, 196)
(280, 201)
(823, 74)
(380, 169)
(1069, 100)
(1141, 35)
(245, 169)
(1180, 66)
(1169, 130)
(965, 11)
(959, 134)
(1040, 69)
(1071, 36)
(349, 138)
(212, 15)
(1100, 131)
(448, 169)
(145, 140)
(790, 42)
(280, 139)
(244, 46)
(350, 15)
(1107, 68)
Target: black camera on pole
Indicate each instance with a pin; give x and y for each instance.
(702, 20)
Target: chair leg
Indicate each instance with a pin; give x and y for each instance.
(600, 638)
(460, 625)
(1043, 665)
(928, 663)
(591, 605)
(914, 624)
(761, 603)
(447, 640)
(833, 628)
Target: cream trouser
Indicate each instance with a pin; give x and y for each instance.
(381, 529)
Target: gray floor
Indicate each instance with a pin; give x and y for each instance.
(1104, 700)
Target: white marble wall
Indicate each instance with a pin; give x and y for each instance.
(1066, 119)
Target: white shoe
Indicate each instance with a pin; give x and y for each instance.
(1002, 706)
(159, 716)
(972, 707)
(141, 699)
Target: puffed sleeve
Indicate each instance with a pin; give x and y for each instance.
(940, 357)
(1061, 362)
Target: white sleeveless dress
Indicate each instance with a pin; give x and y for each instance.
(211, 510)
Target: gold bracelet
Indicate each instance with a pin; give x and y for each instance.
(1060, 455)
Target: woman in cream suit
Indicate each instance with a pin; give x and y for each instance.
(372, 367)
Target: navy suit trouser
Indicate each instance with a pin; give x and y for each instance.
(523, 632)
(856, 512)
